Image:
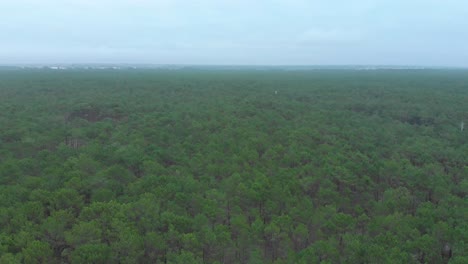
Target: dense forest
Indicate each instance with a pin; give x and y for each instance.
(233, 166)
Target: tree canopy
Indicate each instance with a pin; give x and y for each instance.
(233, 166)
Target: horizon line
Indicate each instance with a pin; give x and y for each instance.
(49, 64)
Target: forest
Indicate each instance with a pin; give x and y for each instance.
(197, 165)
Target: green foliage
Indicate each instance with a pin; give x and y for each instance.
(37, 252)
(195, 166)
(91, 253)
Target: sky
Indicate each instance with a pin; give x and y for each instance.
(235, 32)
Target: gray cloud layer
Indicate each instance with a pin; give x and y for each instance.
(399, 32)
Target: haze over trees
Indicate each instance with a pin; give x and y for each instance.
(233, 166)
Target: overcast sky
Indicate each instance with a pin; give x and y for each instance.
(280, 32)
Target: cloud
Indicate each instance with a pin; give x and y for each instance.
(329, 37)
(240, 31)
